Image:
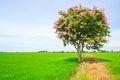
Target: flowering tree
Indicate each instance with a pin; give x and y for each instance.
(82, 27)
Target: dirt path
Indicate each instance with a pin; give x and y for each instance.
(91, 70)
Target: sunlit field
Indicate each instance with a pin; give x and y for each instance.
(36, 66)
(49, 66)
(113, 62)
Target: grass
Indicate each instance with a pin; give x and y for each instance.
(49, 66)
(36, 66)
(113, 62)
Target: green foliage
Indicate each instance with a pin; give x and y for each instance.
(83, 26)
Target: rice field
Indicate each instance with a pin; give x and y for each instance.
(49, 66)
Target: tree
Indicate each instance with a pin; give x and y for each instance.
(83, 27)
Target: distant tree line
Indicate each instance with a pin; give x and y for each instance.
(45, 51)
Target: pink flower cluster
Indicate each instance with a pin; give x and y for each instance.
(66, 30)
(91, 13)
(104, 19)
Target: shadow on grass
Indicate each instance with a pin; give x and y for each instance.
(71, 60)
(87, 59)
(103, 60)
(94, 60)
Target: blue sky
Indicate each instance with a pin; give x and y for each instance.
(27, 25)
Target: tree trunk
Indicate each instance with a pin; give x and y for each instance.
(79, 51)
(79, 56)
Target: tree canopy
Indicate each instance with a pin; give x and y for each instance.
(83, 27)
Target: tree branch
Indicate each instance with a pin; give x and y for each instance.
(75, 46)
(82, 46)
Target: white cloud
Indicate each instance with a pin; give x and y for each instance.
(114, 41)
(40, 38)
(27, 31)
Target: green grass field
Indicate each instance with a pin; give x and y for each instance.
(48, 66)
(36, 66)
